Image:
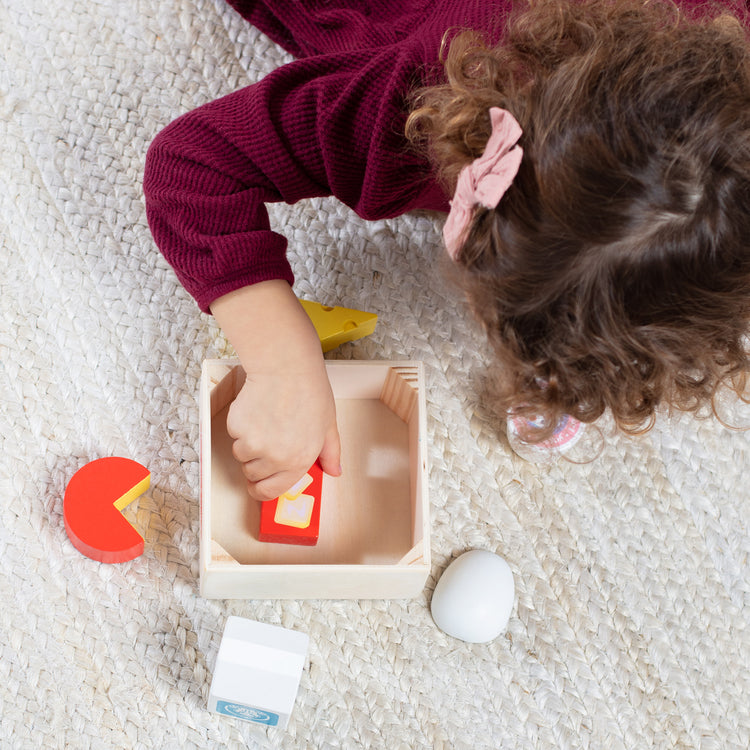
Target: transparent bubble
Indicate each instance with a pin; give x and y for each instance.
(572, 440)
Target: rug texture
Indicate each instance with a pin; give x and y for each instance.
(630, 627)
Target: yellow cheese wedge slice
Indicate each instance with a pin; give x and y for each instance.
(337, 325)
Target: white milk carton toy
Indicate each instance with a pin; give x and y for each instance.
(257, 673)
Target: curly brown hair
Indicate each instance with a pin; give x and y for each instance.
(615, 272)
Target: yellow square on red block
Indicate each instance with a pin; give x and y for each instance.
(298, 519)
(297, 512)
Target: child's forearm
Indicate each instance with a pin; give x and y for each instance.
(284, 417)
(267, 326)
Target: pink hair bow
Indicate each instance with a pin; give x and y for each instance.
(486, 179)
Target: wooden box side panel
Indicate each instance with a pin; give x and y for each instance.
(419, 488)
(205, 416)
(400, 391)
(225, 380)
(221, 381)
(404, 393)
(312, 582)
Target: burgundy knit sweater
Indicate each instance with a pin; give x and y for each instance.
(330, 123)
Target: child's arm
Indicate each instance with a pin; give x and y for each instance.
(284, 417)
(328, 126)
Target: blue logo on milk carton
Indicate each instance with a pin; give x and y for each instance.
(247, 713)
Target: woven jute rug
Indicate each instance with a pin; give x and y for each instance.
(630, 626)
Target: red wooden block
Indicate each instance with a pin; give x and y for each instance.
(93, 500)
(302, 515)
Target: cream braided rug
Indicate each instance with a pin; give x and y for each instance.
(630, 627)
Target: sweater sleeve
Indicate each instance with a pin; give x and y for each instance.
(327, 125)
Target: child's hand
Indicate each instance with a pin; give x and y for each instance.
(284, 418)
(281, 423)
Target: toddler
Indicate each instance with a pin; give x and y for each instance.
(593, 157)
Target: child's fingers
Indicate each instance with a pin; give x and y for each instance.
(258, 469)
(247, 445)
(330, 455)
(272, 486)
(266, 466)
(243, 453)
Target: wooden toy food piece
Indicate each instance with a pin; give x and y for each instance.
(294, 517)
(94, 499)
(337, 325)
(257, 673)
(375, 519)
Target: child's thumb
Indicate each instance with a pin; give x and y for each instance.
(330, 455)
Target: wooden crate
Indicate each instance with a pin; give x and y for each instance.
(375, 525)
